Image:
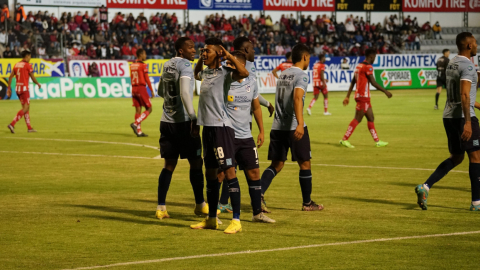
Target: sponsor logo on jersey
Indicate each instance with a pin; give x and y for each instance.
(396, 78)
(427, 77)
(475, 143)
(230, 98)
(229, 161)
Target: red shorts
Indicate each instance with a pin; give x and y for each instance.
(140, 97)
(317, 90)
(24, 97)
(363, 104)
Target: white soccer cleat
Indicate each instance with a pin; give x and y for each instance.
(309, 111)
(327, 113)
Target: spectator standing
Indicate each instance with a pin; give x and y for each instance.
(5, 14)
(20, 16)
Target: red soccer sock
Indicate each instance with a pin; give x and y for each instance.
(350, 129)
(312, 103)
(371, 127)
(325, 105)
(142, 117)
(139, 129)
(17, 117)
(27, 120)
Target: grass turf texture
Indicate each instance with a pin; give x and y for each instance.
(60, 211)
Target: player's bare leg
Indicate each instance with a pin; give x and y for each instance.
(140, 119)
(474, 172)
(305, 178)
(437, 95)
(359, 114)
(309, 109)
(255, 191)
(371, 127)
(325, 104)
(267, 178)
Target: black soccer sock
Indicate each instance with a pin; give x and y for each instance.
(442, 170)
(255, 190)
(163, 184)
(306, 185)
(267, 178)
(212, 197)
(474, 171)
(437, 95)
(234, 189)
(196, 180)
(225, 193)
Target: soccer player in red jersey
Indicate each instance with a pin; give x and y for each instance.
(283, 66)
(140, 97)
(319, 85)
(22, 71)
(363, 78)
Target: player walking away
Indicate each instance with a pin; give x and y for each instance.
(289, 131)
(459, 120)
(178, 127)
(218, 134)
(319, 85)
(442, 64)
(140, 97)
(283, 66)
(363, 78)
(22, 71)
(245, 45)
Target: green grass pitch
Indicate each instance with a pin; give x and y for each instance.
(70, 209)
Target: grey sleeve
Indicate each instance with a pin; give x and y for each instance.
(263, 101)
(185, 95)
(301, 82)
(160, 88)
(185, 69)
(469, 73)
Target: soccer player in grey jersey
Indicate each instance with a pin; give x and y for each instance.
(459, 120)
(218, 134)
(179, 132)
(442, 64)
(289, 131)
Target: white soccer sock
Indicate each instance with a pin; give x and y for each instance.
(201, 205)
(476, 203)
(162, 207)
(426, 187)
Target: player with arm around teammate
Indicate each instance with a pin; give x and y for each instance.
(363, 77)
(289, 130)
(459, 120)
(179, 132)
(140, 97)
(319, 85)
(22, 71)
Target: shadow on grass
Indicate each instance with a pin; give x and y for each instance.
(186, 205)
(435, 187)
(407, 206)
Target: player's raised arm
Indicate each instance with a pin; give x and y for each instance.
(371, 79)
(298, 108)
(465, 87)
(267, 104)
(240, 71)
(9, 88)
(350, 89)
(257, 113)
(199, 66)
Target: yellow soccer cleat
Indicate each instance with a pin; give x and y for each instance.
(234, 227)
(161, 214)
(208, 223)
(203, 211)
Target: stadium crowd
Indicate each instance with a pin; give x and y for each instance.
(96, 36)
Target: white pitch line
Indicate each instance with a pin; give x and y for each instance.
(273, 250)
(76, 155)
(89, 141)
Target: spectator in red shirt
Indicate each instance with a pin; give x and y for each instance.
(134, 49)
(78, 18)
(72, 26)
(427, 30)
(126, 52)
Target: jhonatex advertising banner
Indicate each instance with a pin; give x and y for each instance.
(41, 68)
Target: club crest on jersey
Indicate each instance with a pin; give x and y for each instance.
(248, 88)
(187, 64)
(253, 69)
(470, 68)
(305, 79)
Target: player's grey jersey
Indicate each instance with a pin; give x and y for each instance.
(212, 111)
(239, 105)
(442, 64)
(173, 70)
(460, 68)
(285, 118)
(250, 66)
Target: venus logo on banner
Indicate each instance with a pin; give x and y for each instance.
(157, 4)
(300, 5)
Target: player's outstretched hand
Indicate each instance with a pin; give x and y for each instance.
(260, 140)
(298, 135)
(9, 92)
(467, 131)
(389, 95)
(195, 130)
(345, 101)
(271, 109)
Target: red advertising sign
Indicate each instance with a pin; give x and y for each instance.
(151, 4)
(441, 5)
(299, 5)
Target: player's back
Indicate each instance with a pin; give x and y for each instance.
(362, 71)
(285, 65)
(460, 68)
(285, 118)
(239, 105)
(173, 70)
(137, 73)
(317, 69)
(22, 72)
(442, 64)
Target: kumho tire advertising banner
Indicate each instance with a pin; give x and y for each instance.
(414, 78)
(41, 68)
(441, 5)
(147, 4)
(299, 5)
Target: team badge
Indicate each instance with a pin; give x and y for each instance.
(470, 68)
(187, 64)
(305, 79)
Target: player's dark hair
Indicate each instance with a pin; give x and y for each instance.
(462, 40)
(213, 41)
(240, 56)
(298, 52)
(445, 51)
(180, 42)
(288, 55)
(25, 53)
(321, 56)
(370, 51)
(139, 52)
(238, 43)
